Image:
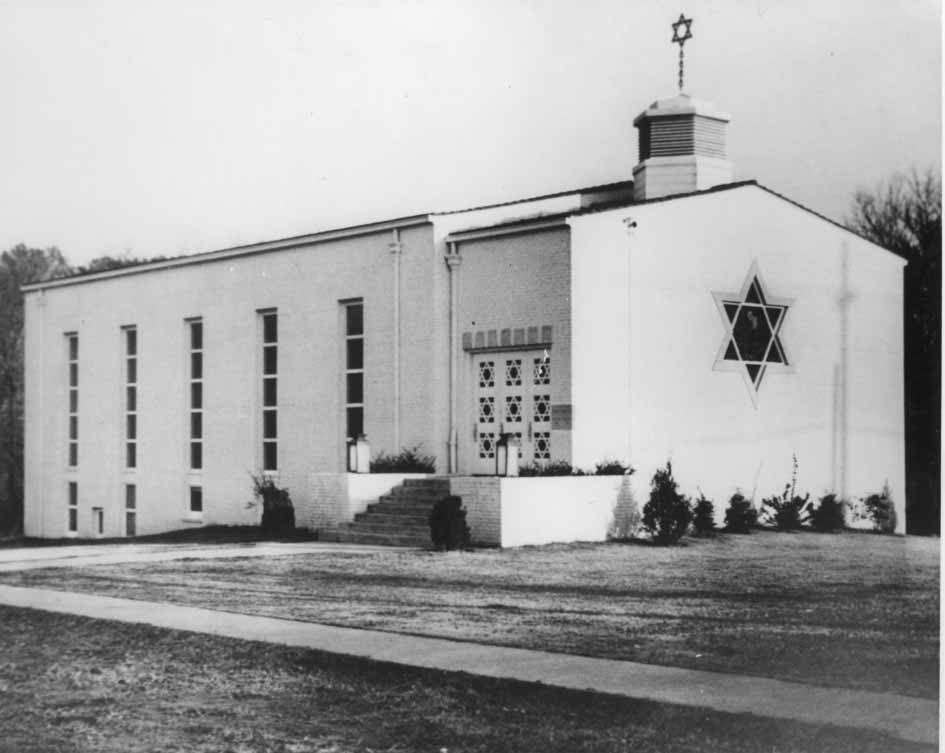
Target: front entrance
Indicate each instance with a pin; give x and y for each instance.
(512, 395)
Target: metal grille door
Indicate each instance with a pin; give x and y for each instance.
(513, 395)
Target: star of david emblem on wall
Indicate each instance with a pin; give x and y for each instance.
(753, 323)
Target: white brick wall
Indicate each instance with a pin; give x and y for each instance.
(481, 501)
(644, 385)
(539, 510)
(305, 285)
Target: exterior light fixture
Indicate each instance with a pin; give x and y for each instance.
(359, 455)
(506, 455)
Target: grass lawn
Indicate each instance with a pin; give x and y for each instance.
(850, 610)
(75, 684)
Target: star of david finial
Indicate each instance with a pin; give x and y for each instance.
(753, 322)
(687, 34)
(680, 39)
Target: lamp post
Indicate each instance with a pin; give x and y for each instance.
(359, 455)
(506, 455)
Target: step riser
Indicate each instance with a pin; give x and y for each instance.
(412, 495)
(431, 483)
(394, 520)
(348, 537)
(399, 508)
(414, 531)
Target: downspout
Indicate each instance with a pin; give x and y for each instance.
(453, 260)
(630, 226)
(396, 250)
(38, 413)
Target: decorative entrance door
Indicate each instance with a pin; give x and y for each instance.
(512, 395)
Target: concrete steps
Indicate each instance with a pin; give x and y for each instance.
(398, 518)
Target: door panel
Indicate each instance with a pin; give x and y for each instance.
(513, 395)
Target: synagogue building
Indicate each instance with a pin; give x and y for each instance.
(680, 315)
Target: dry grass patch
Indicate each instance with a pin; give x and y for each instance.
(852, 610)
(80, 685)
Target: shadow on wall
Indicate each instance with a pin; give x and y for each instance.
(627, 514)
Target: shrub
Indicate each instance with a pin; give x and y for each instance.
(667, 514)
(554, 468)
(828, 516)
(612, 468)
(703, 518)
(408, 460)
(278, 514)
(741, 514)
(789, 511)
(626, 521)
(881, 511)
(448, 528)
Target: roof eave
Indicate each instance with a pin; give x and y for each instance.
(233, 252)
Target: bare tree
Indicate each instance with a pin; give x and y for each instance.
(904, 214)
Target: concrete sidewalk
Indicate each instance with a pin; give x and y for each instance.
(35, 558)
(911, 719)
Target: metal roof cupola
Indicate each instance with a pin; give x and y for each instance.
(681, 140)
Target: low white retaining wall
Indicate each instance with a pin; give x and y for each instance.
(500, 511)
(544, 509)
(338, 497)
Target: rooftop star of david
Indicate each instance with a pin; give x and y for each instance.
(687, 33)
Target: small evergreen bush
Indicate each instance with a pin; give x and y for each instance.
(881, 511)
(703, 518)
(278, 514)
(667, 514)
(741, 515)
(828, 516)
(448, 528)
(408, 460)
(612, 468)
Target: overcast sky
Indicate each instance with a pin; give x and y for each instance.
(172, 127)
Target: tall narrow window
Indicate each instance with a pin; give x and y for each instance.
(196, 499)
(131, 397)
(354, 369)
(270, 378)
(72, 343)
(131, 510)
(73, 507)
(196, 394)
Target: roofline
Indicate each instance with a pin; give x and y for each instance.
(234, 251)
(295, 241)
(832, 222)
(557, 195)
(671, 197)
(728, 187)
(513, 227)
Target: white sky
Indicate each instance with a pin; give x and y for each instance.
(171, 127)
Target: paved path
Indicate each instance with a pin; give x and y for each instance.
(907, 718)
(34, 558)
